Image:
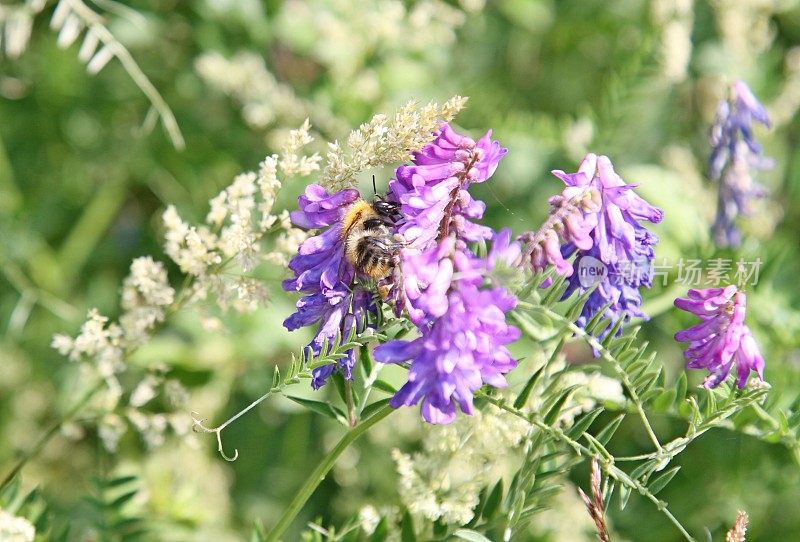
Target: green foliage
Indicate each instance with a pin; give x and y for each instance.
(32, 506)
(114, 516)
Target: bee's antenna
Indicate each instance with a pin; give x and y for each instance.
(374, 188)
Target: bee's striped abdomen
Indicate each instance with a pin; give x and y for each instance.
(374, 256)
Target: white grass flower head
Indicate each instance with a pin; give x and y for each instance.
(151, 427)
(379, 142)
(368, 518)
(145, 295)
(291, 161)
(268, 185)
(444, 480)
(193, 249)
(145, 391)
(110, 430)
(15, 529)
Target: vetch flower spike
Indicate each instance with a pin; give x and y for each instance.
(437, 214)
(464, 347)
(619, 243)
(735, 155)
(722, 339)
(432, 190)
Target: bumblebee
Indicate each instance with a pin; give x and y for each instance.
(368, 241)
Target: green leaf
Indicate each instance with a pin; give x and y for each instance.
(258, 534)
(608, 431)
(574, 311)
(555, 291)
(783, 421)
(384, 386)
(407, 529)
(127, 523)
(645, 467)
(535, 325)
(319, 407)
(365, 359)
(646, 381)
(116, 482)
(381, 532)
(552, 414)
(584, 423)
(647, 395)
(522, 398)
(9, 493)
(276, 378)
(608, 492)
(338, 381)
(470, 535)
(611, 337)
(493, 501)
(123, 499)
(372, 408)
(711, 403)
(663, 479)
(664, 401)
(593, 325)
(624, 495)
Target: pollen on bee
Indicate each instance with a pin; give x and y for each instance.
(377, 270)
(357, 212)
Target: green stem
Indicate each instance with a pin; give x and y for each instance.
(45, 438)
(319, 473)
(608, 356)
(352, 417)
(605, 459)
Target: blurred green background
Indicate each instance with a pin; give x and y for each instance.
(84, 179)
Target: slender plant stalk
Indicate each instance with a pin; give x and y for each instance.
(352, 416)
(95, 23)
(45, 438)
(606, 459)
(605, 354)
(319, 473)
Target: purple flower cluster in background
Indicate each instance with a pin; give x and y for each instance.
(323, 273)
(599, 216)
(462, 324)
(735, 155)
(722, 338)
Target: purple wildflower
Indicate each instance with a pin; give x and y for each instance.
(462, 321)
(619, 242)
(722, 338)
(435, 205)
(464, 348)
(432, 190)
(321, 270)
(734, 155)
